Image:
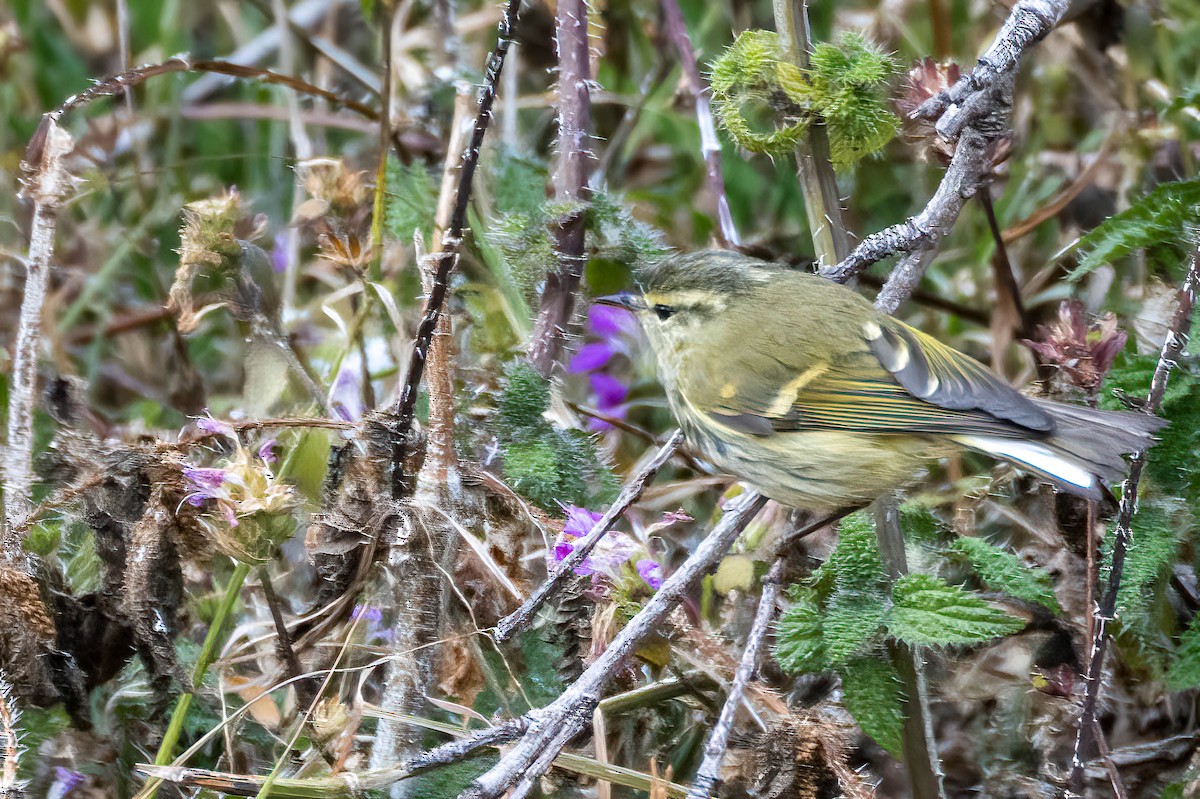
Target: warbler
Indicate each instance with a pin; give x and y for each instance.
(801, 388)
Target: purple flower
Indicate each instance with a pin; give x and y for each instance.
(607, 321)
(591, 357)
(651, 572)
(372, 614)
(204, 484)
(610, 392)
(580, 521)
(65, 781)
(266, 451)
(210, 425)
(279, 253)
(611, 553)
(372, 617)
(345, 398)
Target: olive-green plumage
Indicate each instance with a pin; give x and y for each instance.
(800, 387)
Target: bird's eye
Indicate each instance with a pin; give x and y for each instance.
(663, 311)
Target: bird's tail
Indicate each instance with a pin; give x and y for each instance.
(1085, 451)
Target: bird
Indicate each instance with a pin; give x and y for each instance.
(805, 391)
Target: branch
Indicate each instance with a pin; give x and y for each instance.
(922, 232)
(406, 404)
(553, 726)
(973, 111)
(521, 618)
(718, 741)
(962, 103)
(1172, 349)
(710, 145)
(570, 186)
(48, 184)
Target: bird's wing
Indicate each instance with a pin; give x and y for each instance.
(898, 381)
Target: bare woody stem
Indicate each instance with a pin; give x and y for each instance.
(977, 102)
(521, 618)
(553, 726)
(406, 404)
(570, 186)
(1172, 349)
(48, 185)
(710, 145)
(818, 181)
(718, 740)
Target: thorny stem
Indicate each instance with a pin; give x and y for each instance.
(406, 404)
(920, 235)
(1172, 349)
(48, 185)
(718, 741)
(553, 726)
(521, 618)
(10, 742)
(710, 145)
(570, 187)
(818, 181)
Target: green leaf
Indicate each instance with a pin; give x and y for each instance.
(411, 201)
(1184, 672)
(1001, 570)
(851, 622)
(1156, 219)
(873, 695)
(799, 641)
(928, 611)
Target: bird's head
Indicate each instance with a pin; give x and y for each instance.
(679, 295)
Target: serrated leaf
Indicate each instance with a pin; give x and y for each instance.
(1184, 672)
(873, 695)
(1001, 570)
(851, 622)
(929, 611)
(1156, 219)
(411, 201)
(799, 642)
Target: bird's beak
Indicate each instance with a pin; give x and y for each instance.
(626, 299)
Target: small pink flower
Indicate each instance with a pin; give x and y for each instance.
(205, 483)
(651, 572)
(212, 425)
(1084, 353)
(266, 452)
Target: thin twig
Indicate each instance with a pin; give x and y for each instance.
(1172, 349)
(48, 185)
(972, 111)
(10, 743)
(570, 187)
(1027, 23)
(283, 640)
(634, 486)
(553, 726)
(710, 145)
(406, 404)
(922, 232)
(718, 740)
